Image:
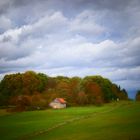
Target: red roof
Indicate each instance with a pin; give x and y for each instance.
(61, 100)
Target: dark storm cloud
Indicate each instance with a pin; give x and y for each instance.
(4, 6)
(106, 4)
(72, 4)
(117, 16)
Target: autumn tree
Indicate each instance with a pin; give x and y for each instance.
(74, 90)
(38, 101)
(21, 102)
(137, 96)
(30, 82)
(82, 98)
(93, 91)
(42, 89)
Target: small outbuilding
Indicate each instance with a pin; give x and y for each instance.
(58, 103)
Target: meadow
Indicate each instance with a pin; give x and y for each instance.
(113, 121)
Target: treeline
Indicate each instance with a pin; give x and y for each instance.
(137, 96)
(36, 90)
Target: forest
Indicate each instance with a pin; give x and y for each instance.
(31, 90)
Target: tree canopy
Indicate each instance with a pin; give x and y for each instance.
(40, 89)
(138, 95)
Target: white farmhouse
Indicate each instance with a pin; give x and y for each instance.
(58, 103)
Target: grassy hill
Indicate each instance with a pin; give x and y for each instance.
(118, 120)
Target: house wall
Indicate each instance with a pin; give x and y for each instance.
(57, 105)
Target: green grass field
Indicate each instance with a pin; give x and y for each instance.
(114, 121)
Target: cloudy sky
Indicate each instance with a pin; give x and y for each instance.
(72, 38)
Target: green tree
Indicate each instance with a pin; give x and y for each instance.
(104, 84)
(10, 85)
(43, 81)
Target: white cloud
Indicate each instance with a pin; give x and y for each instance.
(85, 22)
(50, 23)
(5, 23)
